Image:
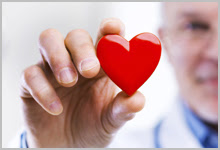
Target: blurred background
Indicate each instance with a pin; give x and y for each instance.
(22, 24)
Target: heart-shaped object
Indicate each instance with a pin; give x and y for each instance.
(129, 63)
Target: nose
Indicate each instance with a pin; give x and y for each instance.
(212, 51)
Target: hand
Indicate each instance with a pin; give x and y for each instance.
(81, 107)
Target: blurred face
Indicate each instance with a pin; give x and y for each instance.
(190, 36)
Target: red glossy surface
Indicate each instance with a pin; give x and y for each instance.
(129, 64)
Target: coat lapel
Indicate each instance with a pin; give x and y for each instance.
(174, 132)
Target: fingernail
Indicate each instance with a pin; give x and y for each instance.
(55, 107)
(88, 64)
(67, 75)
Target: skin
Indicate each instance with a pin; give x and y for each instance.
(190, 37)
(83, 109)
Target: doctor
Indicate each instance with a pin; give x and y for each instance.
(68, 101)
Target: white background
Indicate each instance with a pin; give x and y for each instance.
(22, 24)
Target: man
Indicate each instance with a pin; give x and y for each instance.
(68, 100)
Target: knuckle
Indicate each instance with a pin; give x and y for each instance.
(54, 61)
(86, 46)
(76, 33)
(30, 73)
(47, 35)
(41, 92)
(57, 60)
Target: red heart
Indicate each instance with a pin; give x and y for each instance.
(129, 64)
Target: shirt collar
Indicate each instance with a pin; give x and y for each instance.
(201, 131)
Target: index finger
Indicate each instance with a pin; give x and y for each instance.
(110, 26)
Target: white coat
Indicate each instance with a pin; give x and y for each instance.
(172, 132)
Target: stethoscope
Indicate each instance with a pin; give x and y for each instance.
(156, 135)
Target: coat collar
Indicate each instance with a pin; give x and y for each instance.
(174, 131)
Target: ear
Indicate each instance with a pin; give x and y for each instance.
(161, 33)
(164, 40)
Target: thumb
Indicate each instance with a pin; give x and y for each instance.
(122, 109)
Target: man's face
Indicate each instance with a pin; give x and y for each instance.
(190, 37)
